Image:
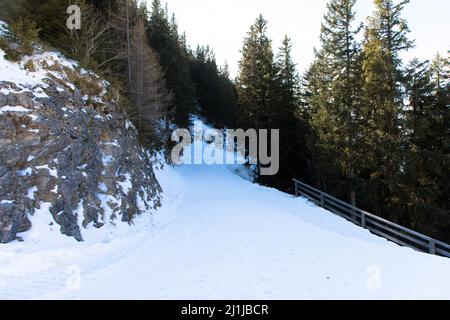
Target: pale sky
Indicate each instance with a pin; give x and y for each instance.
(223, 24)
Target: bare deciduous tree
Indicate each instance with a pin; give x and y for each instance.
(87, 41)
(148, 85)
(121, 21)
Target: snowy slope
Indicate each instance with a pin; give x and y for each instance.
(219, 236)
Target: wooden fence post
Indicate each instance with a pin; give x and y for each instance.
(354, 215)
(432, 246)
(363, 220)
(322, 200)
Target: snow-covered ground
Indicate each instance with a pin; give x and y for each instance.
(219, 236)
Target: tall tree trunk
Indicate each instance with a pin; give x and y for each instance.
(128, 42)
(352, 185)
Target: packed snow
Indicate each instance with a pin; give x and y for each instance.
(13, 109)
(3, 27)
(16, 72)
(45, 64)
(218, 236)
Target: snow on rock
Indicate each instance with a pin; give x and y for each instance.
(13, 109)
(42, 62)
(3, 28)
(58, 143)
(15, 72)
(126, 185)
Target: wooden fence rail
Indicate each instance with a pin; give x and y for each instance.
(379, 226)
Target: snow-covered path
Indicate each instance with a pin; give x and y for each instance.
(221, 237)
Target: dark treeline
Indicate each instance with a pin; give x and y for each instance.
(161, 81)
(216, 93)
(360, 124)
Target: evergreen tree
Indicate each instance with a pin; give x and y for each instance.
(439, 133)
(293, 129)
(256, 78)
(417, 183)
(49, 15)
(164, 38)
(335, 101)
(256, 82)
(427, 136)
(104, 5)
(386, 37)
(24, 33)
(287, 78)
(268, 91)
(215, 91)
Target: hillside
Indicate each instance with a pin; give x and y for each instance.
(69, 156)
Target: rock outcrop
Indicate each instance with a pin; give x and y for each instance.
(65, 142)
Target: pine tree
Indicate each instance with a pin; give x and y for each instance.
(104, 5)
(386, 36)
(439, 133)
(335, 92)
(256, 78)
(427, 137)
(417, 183)
(164, 38)
(216, 95)
(256, 81)
(287, 78)
(24, 33)
(49, 15)
(286, 97)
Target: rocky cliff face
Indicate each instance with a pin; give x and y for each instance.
(65, 145)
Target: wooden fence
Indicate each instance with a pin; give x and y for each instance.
(381, 227)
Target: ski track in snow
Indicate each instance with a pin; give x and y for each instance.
(221, 237)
